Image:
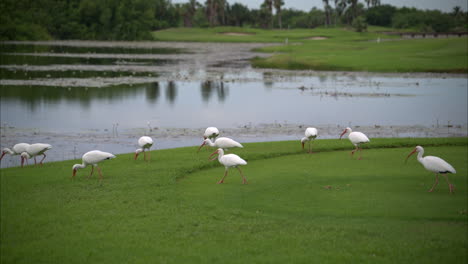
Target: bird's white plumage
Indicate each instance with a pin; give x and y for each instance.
(222, 142)
(311, 133)
(432, 163)
(211, 132)
(17, 149)
(356, 137)
(95, 156)
(231, 160)
(145, 142)
(37, 149)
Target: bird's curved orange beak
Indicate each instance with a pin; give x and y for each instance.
(302, 145)
(74, 173)
(212, 154)
(344, 132)
(136, 156)
(3, 154)
(412, 152)
(22, 161)
(203, 144)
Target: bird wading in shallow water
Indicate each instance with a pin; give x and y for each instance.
(357, 138)
(436, 165)
(145, 143)
(310, 134)
(17, 149)
(92, 158)
(211, 133)
(228, 161)
(222, 142)
(35, 150)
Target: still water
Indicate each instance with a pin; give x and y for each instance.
(67, 90)
(192, 104)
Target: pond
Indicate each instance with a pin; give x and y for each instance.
(81, 97)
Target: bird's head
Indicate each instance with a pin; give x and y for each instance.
(303, 140)
(219, 151)
(3, 154)
(24, 156)
(137, 152)
(203, 144)
(345, 131)
(416, 149)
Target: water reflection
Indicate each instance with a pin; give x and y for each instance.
(171, 92)
(152, 92)
(208, 87)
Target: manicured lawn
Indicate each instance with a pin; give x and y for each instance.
(171, 210)
(342, 50)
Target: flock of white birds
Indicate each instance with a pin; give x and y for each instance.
(28, 151)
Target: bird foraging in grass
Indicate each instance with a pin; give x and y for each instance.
(434, 164)
(357, 138)
(310, 134)
(92, 158)
(229, 160)
(145, 143)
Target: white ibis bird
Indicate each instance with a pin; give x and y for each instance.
(211, 133)
(145, 143)
(357, 138)
(436, 165)
(222, 142)
(310, 134)
(34, 150)
(17, 149)
(229, 160)
(92, 158)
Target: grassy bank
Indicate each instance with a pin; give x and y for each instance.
(341, 50)
(171, 210)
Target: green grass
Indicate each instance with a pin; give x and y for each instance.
(171, 210)
(344, 50)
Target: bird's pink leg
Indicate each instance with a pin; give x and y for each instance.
(360, 153)
(144, 155)
(35, 163)
(222, 180)
(451, 187)
(354, 150)
(244, 180)
(40, 163)
(435, 184)
(100, 174)
(310, 150)
(92, 171)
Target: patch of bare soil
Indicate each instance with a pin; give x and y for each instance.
(317, 38)
(237, 34)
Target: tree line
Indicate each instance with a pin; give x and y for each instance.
(135, 19)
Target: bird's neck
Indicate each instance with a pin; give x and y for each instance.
(9, 151)
(139, 150)
(211, 143)
(420, 155)
(79, 166)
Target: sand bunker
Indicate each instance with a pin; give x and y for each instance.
(237, 34)
(317, 38)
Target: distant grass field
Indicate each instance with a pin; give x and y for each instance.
(342, 50)
(171, 210)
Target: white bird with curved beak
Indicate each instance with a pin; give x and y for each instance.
(92, 158)
(17, 149)
(310, 134)
(357, 138)
(222, 142)
(33, 151)
(145, 143)
(211, 133)
(434, 164)
(229, 160)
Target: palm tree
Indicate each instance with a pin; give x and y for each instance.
(327, 8)
(268, 4)
(278, 4)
